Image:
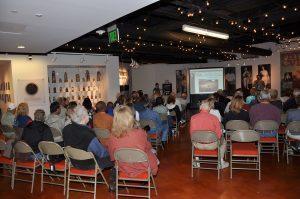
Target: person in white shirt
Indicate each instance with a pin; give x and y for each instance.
(213, 111)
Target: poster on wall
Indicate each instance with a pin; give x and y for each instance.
(31, 91)
(264, 71)
(290, 71)
(181, 81)
(246, 78)
(230, 83)
(78, 83)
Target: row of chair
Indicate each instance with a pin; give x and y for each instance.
(243, 143)
(62, 169)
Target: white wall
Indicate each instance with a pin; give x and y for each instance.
(147, 75)
(22, 68)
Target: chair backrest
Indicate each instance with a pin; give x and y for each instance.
(245, 136)
(149, 123)
(78, 154)
(22, 147)
(56, 132)
(6, 128)
(2, 145)
(163, 117)
(130, 155)
(101, 133)
(266, 125)
(200, 136)
(294, 126)
(50, 148)
(283, 118)
(237, 125)
(173, 113)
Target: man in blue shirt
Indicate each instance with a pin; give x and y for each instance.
(148, 114)
(294, 114)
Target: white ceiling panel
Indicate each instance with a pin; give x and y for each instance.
(61, 21)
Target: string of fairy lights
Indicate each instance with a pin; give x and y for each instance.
(267, 28)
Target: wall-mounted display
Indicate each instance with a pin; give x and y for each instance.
(246, 78)
(264, 71)
(230, 83)
(31, 91)
(79, 86)
(290, 71)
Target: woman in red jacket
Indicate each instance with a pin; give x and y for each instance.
(126, 134)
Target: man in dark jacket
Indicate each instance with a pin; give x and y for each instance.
(37, 131)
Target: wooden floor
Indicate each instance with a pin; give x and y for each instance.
(174, 180)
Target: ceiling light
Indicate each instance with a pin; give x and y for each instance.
(206, 32)
(38, 15)
(282, 18)
(284, 6)
(21, 46)
(266, 15)
(295, 9)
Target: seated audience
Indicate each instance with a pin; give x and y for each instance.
(177, 100)
(290, 103)
(22, 118)
(264, 110)
(101, 119)
(78, 135)
(220, 106)
(294, 114)
(130, 104)
(172, 106)
(37, 131)
(222, 97)
(206, 121)
(159, 106)
(54, 120)
(251, 99)
(63, 102)
(8, 119)
(215, 112)
(236, 111)
(125, 134)
(87, 104)
(110, 109)
(70, 109)
(274, 99)
(237, 93)
(148, 114)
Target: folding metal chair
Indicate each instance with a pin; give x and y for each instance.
(155, 138)
(245, 149)
(234, 125)
(203, 156)
(268, 144)
(57, 135)
(101, 133)
(48, 150)
(164, 118)
(292, 129)
(80, 155)
(175, 123)
(24, 166)
(133, 156)
(5, 163)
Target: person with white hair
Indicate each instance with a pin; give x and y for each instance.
(208, 122)
(8, 119)
(78, 135)
(264, 110)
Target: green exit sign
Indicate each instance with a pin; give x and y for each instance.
(113, 34)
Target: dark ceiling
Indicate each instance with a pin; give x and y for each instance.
(154, 34)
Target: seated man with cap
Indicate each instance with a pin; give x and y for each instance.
(8, 120)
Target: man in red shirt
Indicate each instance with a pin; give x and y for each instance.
(206, 121)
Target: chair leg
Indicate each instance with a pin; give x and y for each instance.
(154, 185)
(117, 183)
(13, 176)
(95, 185)
(65, 179)
(33, 176)
(42, 179)
(68, 184)
(149, 188)
(277, 151)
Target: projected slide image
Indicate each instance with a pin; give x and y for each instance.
(208, 85)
